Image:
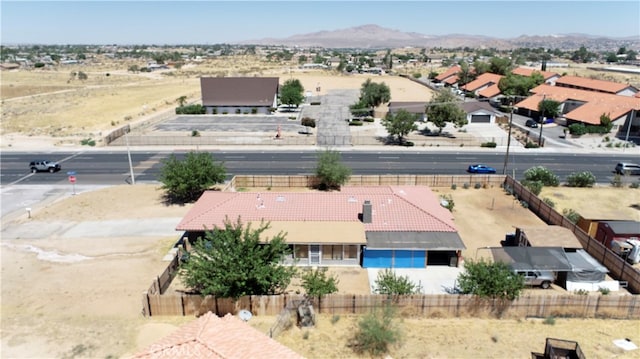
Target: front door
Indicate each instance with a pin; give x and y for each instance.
(314, 254)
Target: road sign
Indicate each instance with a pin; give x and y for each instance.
(71, 173)
(72, 179)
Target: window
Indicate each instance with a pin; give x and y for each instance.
(333, 252)
(301, 251)
(351, 252)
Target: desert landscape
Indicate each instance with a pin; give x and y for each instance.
(66, 295)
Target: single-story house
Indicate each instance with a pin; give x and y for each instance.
(485, 85)
(212, 337)
(416, 107)
(603, 86)
(549, 77)
(479, 112)
(450, 76)
(234, 95)
(371, 226)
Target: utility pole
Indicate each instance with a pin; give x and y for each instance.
(506, 157)
(126, 138)
(542, 121)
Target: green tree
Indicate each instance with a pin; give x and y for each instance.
(611, 57)
(400, 124)
(376, 332)
(302, 59)
(235, 261)
(317, 283)
(491, 280)
(548, 108)
(330, 172)
(518, 85)
(292, 93)
(582, 55)
(480, 67)
(465, 75)
(388, 282)
(499, 66)
(186, 180)
(444, 108)
(308, 122)
(373, 94)
(605, 122)
(581, 179)
(542, 174)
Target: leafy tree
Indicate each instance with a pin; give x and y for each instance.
(400, 124)
(292, 93)
(330, 172)
(317, 283)
(444, 108)
(548, 108)
(376, 332)
(465, 75)
(582, 55)
(341, 66)
(499, 66)
(302, 59)
(611, 57)
(360, 109)
(605, 121)
(186, 180)
(181, 100)
(518, 85)
(480, 67)
(491, 280)
(631, 55)
(388, 282)
(542, 174)
(373, 94)
(232, 262)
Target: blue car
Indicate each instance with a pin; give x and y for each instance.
(480, 169)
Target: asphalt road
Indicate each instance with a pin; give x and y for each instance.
(108, 168)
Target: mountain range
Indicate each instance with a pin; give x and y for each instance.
(377, 37)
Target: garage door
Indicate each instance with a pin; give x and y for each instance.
(480, 118)
(380, 258)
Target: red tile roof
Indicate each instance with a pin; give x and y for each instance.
(593, 85)
(238, 91)
(452, 80)
(212, 337)
(528, 71)
(451, 71)
(490, 91)
(395, 208)
(595, 103)
(486, 79)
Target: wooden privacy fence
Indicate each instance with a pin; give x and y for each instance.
(441, 305)
(163, 281)
(617, 266)
(241, 181)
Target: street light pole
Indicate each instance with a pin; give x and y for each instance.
(542, 121)
(506, 157)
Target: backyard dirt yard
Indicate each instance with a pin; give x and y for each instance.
(80, 296)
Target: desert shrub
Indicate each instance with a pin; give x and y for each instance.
(214, 111)
(524, 204)
(488, 144)
(571, 215)
(390, 283)
(634, 185)
(447, 201)
(549, 202)
(581, 292)
(534, 186)
(465, 185)
(335, 318)
(355, 123)
(238, 111)
(376, 332)
(550, 320)
(530, 144)
(542, 174)
(604, 290)
(616, 181)
(408, 144)
(417, 75)
(454, 186)
(254, 111)
(477, 185)
(88, 142)
(195, 133)
(581, 179)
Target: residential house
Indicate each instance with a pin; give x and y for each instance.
(479, 112)
(549, 77)
(608, 87)
(449, 77)
(580, 106)
(620, 230)
(212, 337)
(415, 107)
(484, 86)
(371, 226)
(233, 95)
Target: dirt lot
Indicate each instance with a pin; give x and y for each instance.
(66, 296)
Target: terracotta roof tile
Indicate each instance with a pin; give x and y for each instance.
(592, 84)
(451, 71)
(212, 337)
(395, 208)
(486, 79)
(490, 91)
(594, 103)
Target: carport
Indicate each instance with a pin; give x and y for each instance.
(411, 249)
(533, 258)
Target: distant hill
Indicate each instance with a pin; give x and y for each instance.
(376, 37)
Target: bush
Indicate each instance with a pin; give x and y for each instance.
(447, 201)
(634, 185)
(254, 111)
(88, 142)
(542, 174)
(530, 144)
(355, 123)
(408, 144)
(549, 202)
(577, 129)
(488, 144)
(238, 111)
(454, 186)
(465, 185)
(368, 119)
(388, 282)
(477, 185)
(534, 186)
(604, 290)
(194, 109)
(550, 320)
(195, 133)
(616, 181)
(571, 215)
(581, 179)
(376, 332)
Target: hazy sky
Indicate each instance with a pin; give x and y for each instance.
(211, 22)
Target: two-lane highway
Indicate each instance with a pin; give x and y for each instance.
(104, 167)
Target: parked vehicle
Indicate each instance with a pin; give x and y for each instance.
(531, 124)
(44, 165)
(628, 249)
(478, 168)
(623, 168)
(538, 278)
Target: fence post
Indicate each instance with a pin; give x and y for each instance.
(146, 306)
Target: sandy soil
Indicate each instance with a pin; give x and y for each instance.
(81, 296)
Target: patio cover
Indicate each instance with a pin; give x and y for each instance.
(585, 268)
(441, 241)
(533, 258)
